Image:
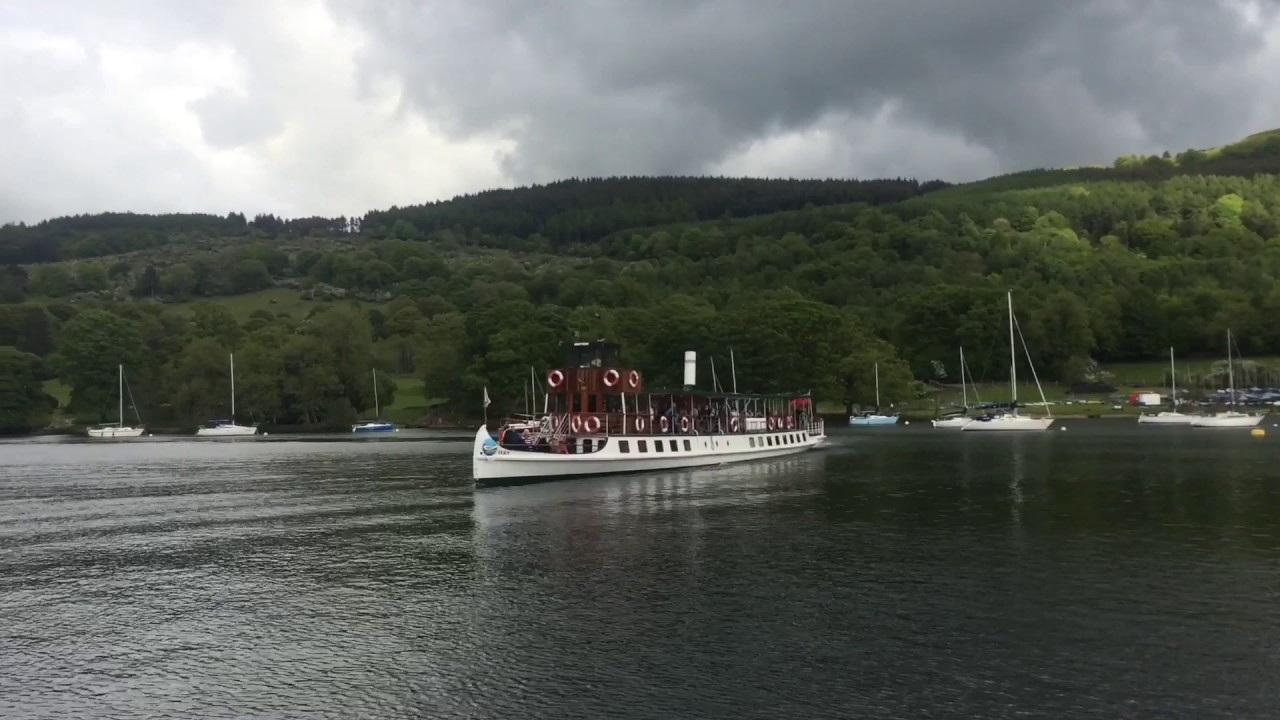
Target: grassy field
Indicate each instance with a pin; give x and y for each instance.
(410, 404)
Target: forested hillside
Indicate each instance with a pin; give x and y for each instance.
(810, 282)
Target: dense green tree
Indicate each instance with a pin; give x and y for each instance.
(24, 406)
(91, 347)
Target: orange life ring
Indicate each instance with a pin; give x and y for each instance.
(611, 377)
(773, 425)
(684, 424)
(576, 423)
(791, 423)
(633, 379)
(666, 424)
(640, 424)
(555, 378)
(592, 424)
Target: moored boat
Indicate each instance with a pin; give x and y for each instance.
(600, 418)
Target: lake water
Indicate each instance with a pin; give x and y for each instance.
(1109, 571)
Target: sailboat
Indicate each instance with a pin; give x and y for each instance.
(377, 425)
(1011, 420)
(1168, 417)
(874, 418)
(119, 430)
(1231, 418)
(959, 419)
(227, 427)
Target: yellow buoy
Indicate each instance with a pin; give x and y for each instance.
(1258, 432)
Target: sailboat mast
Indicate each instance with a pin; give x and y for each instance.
(733, 371)
(1173, 379)
(964, 392)
(877, 386)
(121, 368)
(232, 358)
(377, 411)
(1013, 358)
(1231, 375)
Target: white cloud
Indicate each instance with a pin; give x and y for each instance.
(93, 126)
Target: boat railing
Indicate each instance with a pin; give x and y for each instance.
(628, 424)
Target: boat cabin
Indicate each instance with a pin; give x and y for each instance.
(594, 394)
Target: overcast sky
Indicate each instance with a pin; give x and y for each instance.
(334, 107)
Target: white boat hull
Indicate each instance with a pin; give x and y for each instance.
(1008, 423)
(1226, 420)
(1166, 418)
(953, 423)
(227, 431)
(115, 432)
(493, 464)
(872, 420)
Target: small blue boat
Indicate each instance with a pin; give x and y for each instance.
(374, 426)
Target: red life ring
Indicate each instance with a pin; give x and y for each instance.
(640, 424)
(633, 379)
(772, 424)
(733, 425)
(611, 377)
(592, 424)
(576, 423)
(791, 423)
(555, 378)
(666, 424)
(684, 424)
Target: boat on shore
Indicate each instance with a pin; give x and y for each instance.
(1011, 421)
(377, 425)
(1169, 417)
(600, 418)
(112, 431)
(1231, 418)
(872, 419)
(227, 427)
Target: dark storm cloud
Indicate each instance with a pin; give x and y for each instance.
(642, 87)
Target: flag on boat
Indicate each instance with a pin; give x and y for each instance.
(486, 396)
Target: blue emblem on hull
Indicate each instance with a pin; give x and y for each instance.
(490, 446)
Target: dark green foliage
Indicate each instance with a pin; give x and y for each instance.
(24, 406)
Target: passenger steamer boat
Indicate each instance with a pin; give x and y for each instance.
(600, 418)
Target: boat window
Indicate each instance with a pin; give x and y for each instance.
(657, 446)
(687, 447)
(644, 445)
(591, 404)
(674, 447)
(624, 446)
(770, 441)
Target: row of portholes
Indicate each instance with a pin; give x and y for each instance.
(642, 446)
(777, 440)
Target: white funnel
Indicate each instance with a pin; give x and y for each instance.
(690, 368)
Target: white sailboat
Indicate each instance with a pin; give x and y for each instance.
(377, 425)
(119, 430)
(957, 422)
(227, 427)
(875, 418)
(1168, 417)
(1231, 418)
(1012, 421)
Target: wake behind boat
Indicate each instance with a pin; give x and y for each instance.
(600, 418)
